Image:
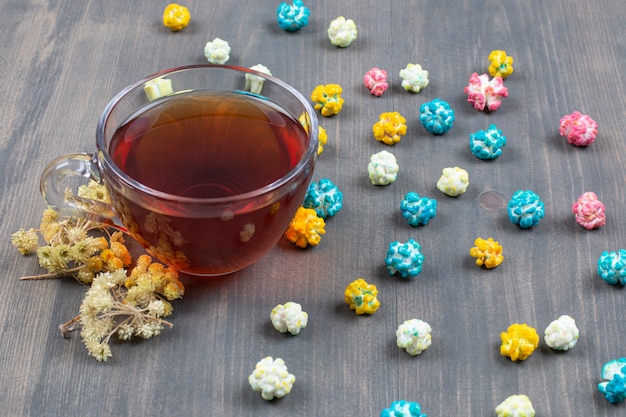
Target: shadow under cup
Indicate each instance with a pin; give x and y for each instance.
(202, 172)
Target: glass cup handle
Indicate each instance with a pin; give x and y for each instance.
(53, 187)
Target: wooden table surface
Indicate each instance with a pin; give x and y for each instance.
(62, 61)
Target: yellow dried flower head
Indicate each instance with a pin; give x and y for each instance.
(519, 341)
(26, 241)
(94, 191)
(488, 252)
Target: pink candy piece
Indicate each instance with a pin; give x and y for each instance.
(589, 211)
(376, 81)
(482, 92)
(579, 129)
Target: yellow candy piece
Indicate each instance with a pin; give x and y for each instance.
(390, 128)
(176, 17)
(305, 228)
(328, 99)
(361, 297)
(322, 139)
(488, 252)
(519, 341)
(501, 64)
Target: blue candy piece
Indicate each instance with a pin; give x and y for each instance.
(436, 116)
(404, 258)
(612, 267)
(293, 17)
(614, 386)
(403, 409)
(487, 144)
(324, 197)
(525, 209)
(418, 210)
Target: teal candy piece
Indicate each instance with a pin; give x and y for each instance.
(525, 209)
(404, 258)
(292, 17)
(487, 144)
(403, 408)
(612, 267)
(436, 116)
(418, 210)
(324, 197)
(614, 388)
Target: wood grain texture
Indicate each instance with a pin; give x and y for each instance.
(63, 61)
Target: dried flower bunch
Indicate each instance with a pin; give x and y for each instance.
(117, 303)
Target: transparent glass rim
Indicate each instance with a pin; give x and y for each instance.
(307, 157)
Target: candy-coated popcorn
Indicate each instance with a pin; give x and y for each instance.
(327, 99)
(516, 406)
(217, 51)
(375, 80)
(342, 32)
(484, 93)
(579, 129)
(292, 17)
(403, 408)
(322, 139)
(404, 258)
(382, 168)
(414, 336)
(289, 317)
(488, 253)
(176, 17)
(254, 83)
(612, 267)
(589, 211)
(414, 78)
(453, 181)
(487, 144)
(418, 211)
(519, 342)
(305, 228)
(501, 64)
(157, 88)
(324, 197)
(525, 209)
(614, 385)
(436, 116)
(361, 297)
(562, 333)
(271, 378)
(389, 128)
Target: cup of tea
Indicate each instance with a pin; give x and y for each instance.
(202, 172)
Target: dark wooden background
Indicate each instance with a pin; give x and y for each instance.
(62, 61)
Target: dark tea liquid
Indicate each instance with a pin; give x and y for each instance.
(209, 145)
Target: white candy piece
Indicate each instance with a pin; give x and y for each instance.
(414, 336)
(271, 378)
(342, 32)
(217, 51)
(382, 168)
(562, 333)
(516, 406)
(254, 83)
(453, 181)
(289, 318)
